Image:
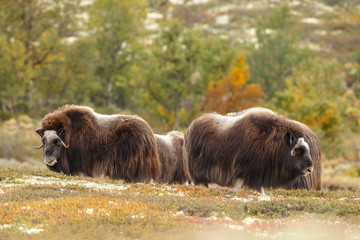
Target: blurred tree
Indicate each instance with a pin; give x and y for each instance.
(232, 93)
(177, 75)
(313, 96)
(69, 76)
(275, 52)
(39, 26)
(176, 60)
(116, 26)
(355, 78)
(14, 74)
(216, 60)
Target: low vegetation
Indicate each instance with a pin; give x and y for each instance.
(39, 204)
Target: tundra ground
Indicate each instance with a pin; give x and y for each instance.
(38, 204)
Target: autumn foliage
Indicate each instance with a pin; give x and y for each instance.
(233, 93)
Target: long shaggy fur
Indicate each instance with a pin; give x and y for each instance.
(172, 157)
(118, 146)
(249, 146)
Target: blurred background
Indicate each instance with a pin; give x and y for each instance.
(169, 61)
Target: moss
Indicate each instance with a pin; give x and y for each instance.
(62, 206)
(15, 173)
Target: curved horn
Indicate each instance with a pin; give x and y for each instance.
(65, 146)
(38, 147)
(292, 153)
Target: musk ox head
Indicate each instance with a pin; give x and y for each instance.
(298, 158)
(283, 148)
(52, 145)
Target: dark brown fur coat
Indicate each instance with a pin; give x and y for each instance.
(251, 146)
(172, 157)
(118, 146)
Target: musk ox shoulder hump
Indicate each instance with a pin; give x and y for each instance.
(228, 121)
(105, 120)
(168, 137)
(165, 138)
(251, 110)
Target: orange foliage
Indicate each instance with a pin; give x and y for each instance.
(232, 93)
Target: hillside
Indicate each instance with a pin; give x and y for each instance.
(330, 27)
(45, 205)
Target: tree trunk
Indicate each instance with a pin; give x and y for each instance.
(109, 93)
(176, 118)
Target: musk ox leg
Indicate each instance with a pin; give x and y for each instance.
(262, 191)
(239, 183)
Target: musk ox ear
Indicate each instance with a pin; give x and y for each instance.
(40, 132)
(290, 138)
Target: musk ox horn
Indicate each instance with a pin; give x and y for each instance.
(65, 146)
(292, 153)
(38, 147)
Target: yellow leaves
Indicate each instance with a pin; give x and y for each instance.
(240, 73)
(327, 121)
(232, 93)
(167, 115)
(352, 111)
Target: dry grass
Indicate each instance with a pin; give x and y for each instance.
(17, 139)
(45, 205)
(339, 174)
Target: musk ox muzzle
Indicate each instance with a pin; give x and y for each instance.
(50, 161)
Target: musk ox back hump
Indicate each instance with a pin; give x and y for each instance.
(256, 147)
(172, 157)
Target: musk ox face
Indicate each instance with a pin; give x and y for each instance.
(52, 145)
(299, 158)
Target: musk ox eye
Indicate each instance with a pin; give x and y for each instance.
(299, 151)
(56, 142)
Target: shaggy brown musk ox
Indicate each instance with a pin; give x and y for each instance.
(255, 148)
(172, 157)
(76, 140)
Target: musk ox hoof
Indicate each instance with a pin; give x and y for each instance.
(50, 161)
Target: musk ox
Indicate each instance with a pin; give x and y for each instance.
(255, 148)
(76, 140)
(172, 157)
